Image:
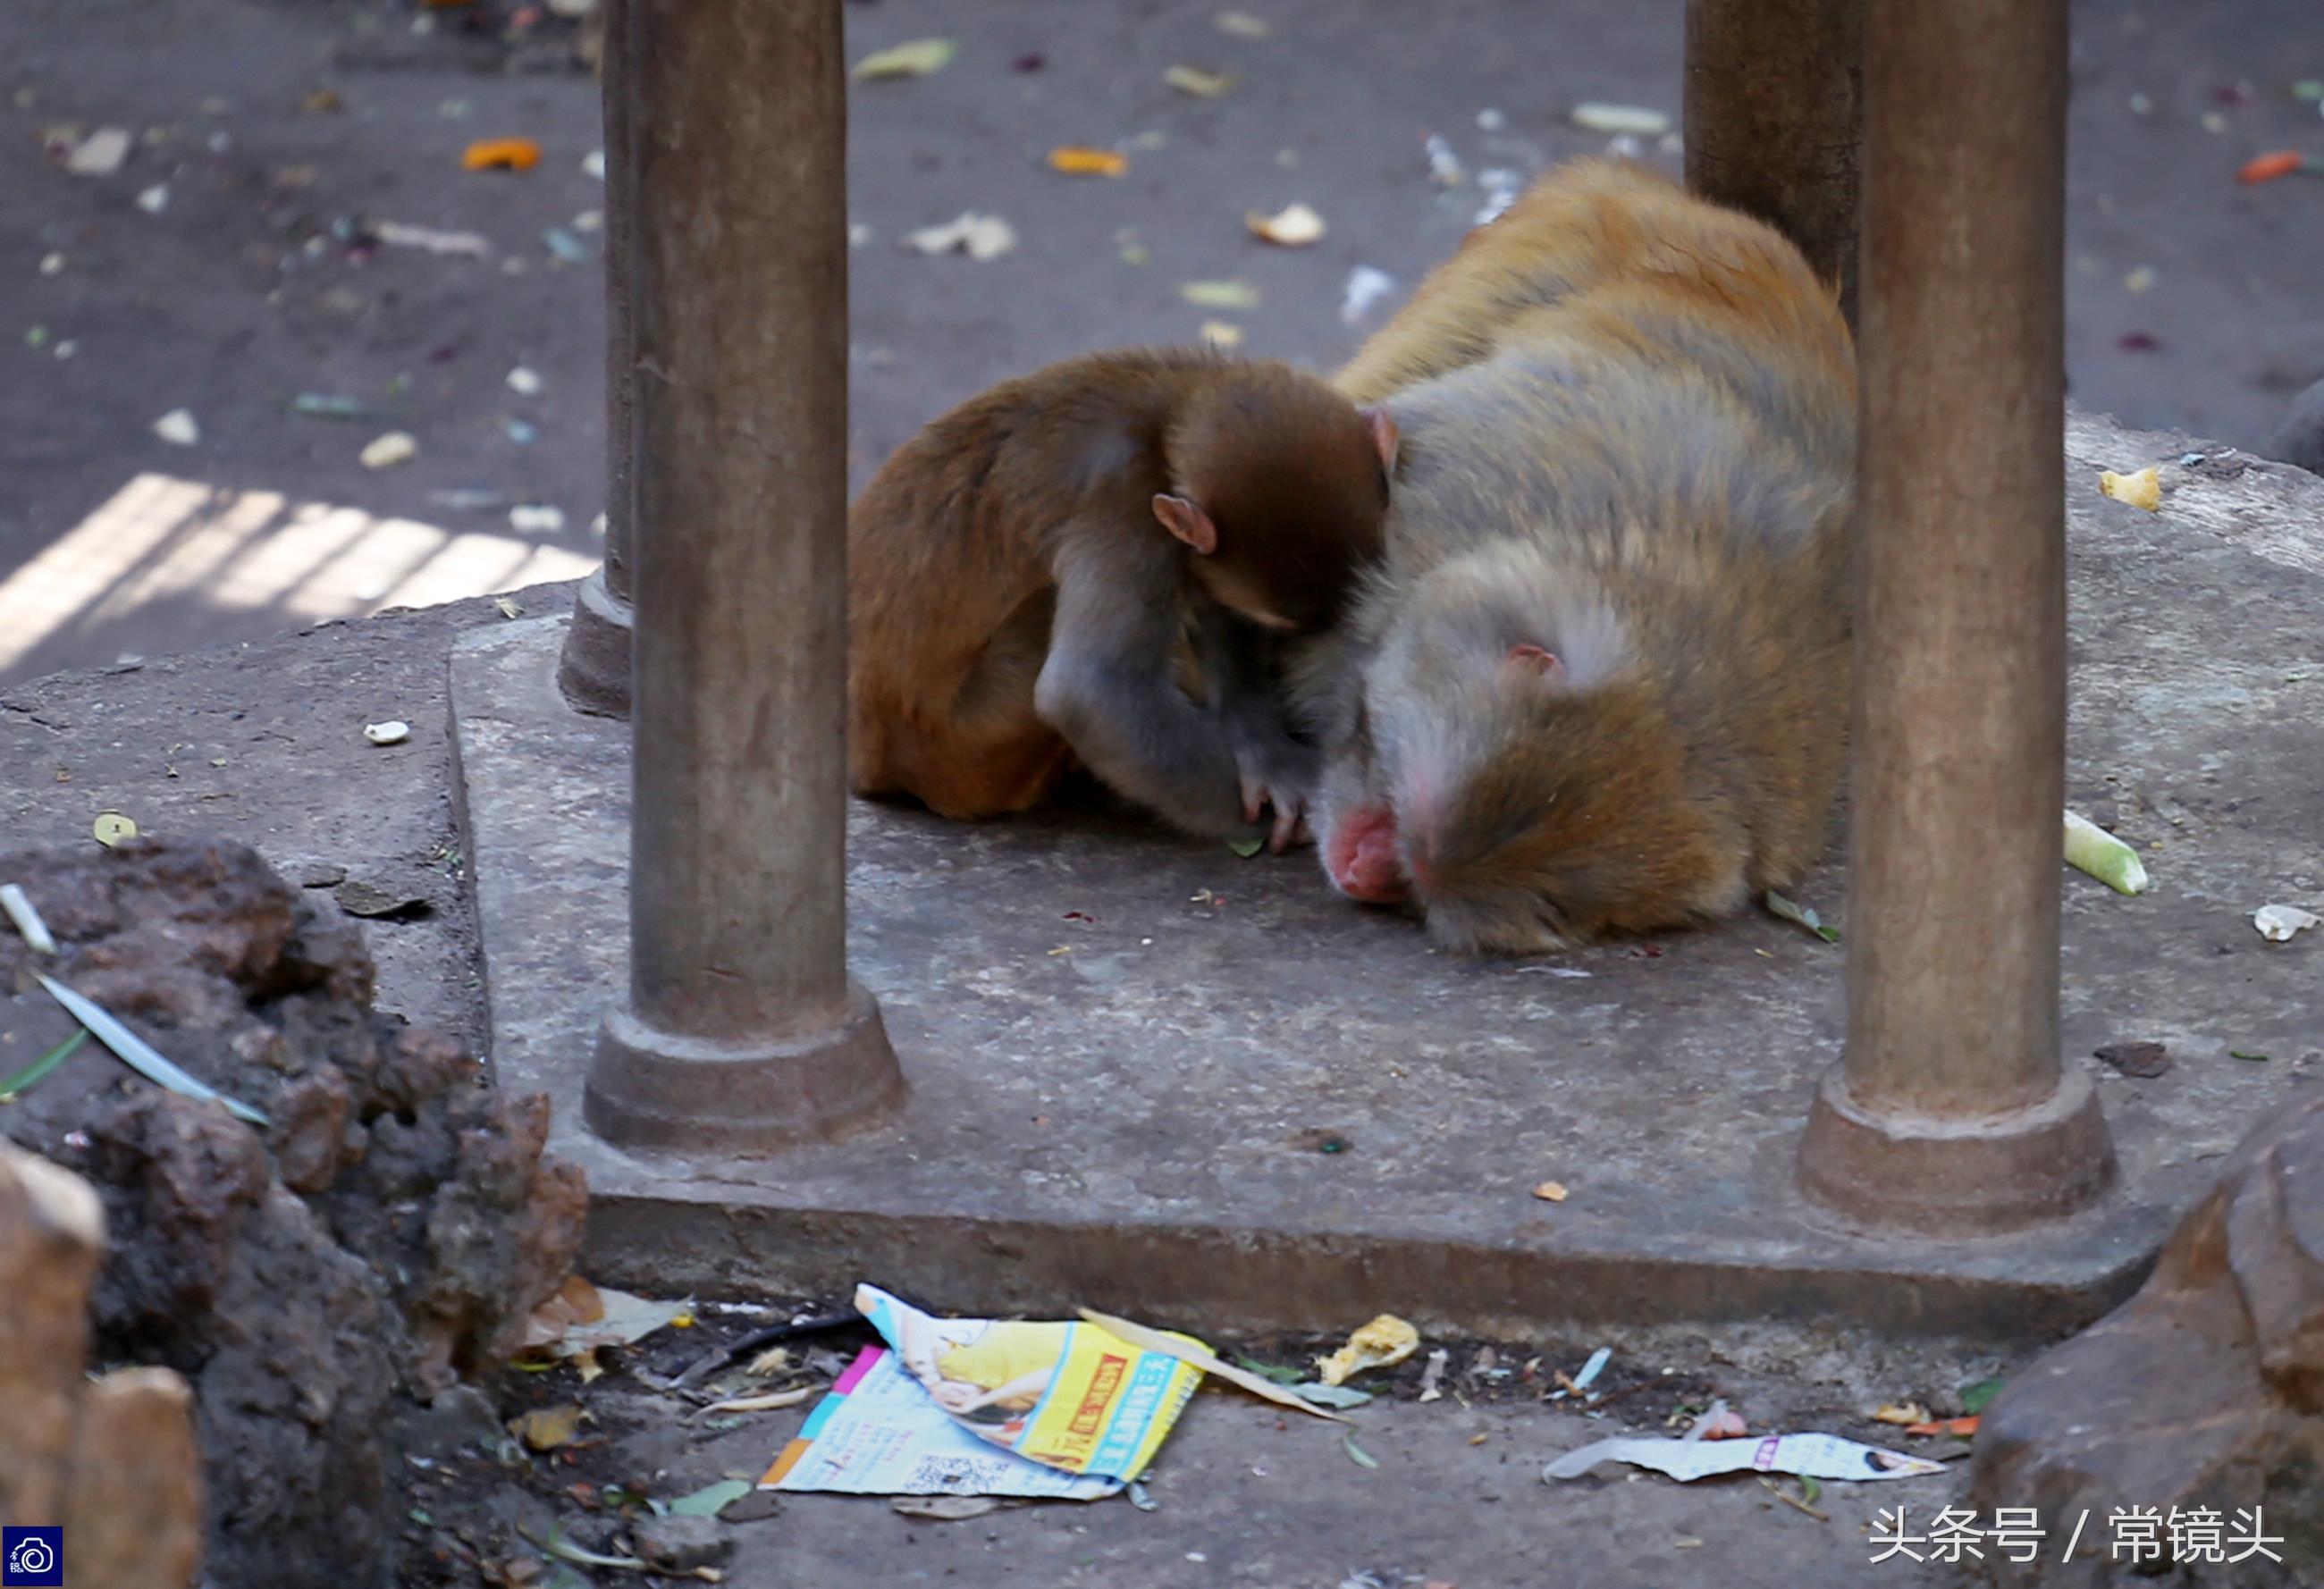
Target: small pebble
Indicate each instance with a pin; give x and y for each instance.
(387, 451)
(178, 428)
(392, 732)
(53, 264)
(524, 381)
(154, 199)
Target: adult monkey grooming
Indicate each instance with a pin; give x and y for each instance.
(1601, 682)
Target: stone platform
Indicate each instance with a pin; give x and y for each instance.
(1152, 1076)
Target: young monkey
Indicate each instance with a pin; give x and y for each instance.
(1029, 576)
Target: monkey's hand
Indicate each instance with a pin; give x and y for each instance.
(1277, 771)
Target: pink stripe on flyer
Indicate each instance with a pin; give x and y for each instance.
(865, 1362)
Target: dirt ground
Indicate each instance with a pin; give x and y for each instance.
(283, 132)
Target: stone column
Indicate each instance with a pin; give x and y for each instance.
(594, 671)
(1951, 1112)
(743, 1030)
(1774, 89)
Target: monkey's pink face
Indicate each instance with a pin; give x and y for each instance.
(1361, 856)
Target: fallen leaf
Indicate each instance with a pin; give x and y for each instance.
(385, 451)
(1077, 160)
(1356, 1454)
(2142, 490)
(1962, 1427)
(1338, 1396)
(1904, 1413)
(981, 237)
(1273, 1372)
(2144, 1060)
(916, 58)
(1242, 25)
(1294, 226)
(1592, 117)
(1777, 905)
(2253, 1055)
(500, 154)
(620, 1320)
(111, 828)
(711, 1499)
(1220, 295)
(945, 1509)
(1201, 82)
(39, 1068)
(1386, 1340)
(139, 1055)
(1977, 1396)
(1221, 335)
(773, 1401)
(545, 1429)
(1551, 1191)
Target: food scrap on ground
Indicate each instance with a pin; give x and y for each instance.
(1385, 1341)
(2141, 490)
(1294, 226)
(2091, 848)
(2280, 923)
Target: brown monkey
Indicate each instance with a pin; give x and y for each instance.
(1026, 575)
(1600, 681)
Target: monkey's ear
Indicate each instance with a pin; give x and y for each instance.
(1537, 659)
(1384, 436)
(1183, 517)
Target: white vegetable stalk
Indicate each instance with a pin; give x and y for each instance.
(2091, 848)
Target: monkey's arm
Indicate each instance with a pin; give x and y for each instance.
(1243, 673)
(1109, 688)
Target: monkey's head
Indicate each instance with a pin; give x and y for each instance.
(1512, 772)
(1279, 486)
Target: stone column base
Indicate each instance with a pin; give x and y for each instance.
(594, 671)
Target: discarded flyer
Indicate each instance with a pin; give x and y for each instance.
(985, 1407)
(1815, 1457)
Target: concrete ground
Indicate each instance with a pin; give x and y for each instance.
(2195, 639)
(282, 129)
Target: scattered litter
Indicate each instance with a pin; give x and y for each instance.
(508, 607)
(469, 501)
(536, 518)
(2280, 923)
(564, 246)
(1220, 334)
(387, 733)
(2252, 1055)
(582, 1317)
(945, 1509)
(139, 1055)
(1722, 1422)
(772, 1402)
(36, 336)
(374, 902)
(322, 102)
(111, 828)
(2142, 278)
(1192, 1352)
(1220, 295)
(1490, 121)
(980, 237)
(564, 1549)
(1591, 1369)
(1551, 1191)
(711, 1499)
(178, 428)
(1900, 1412)
(396, 234)
(19, 906)
(2213, 122)
(1367, 285)
(1962, 1427)
(1592, 116)
(39, 1071)
(1032, 61)
(1199, 82)
(1242, 25)
(1432, 1374)
(1335, 1396)
(2142, 490)
(2267, 168)
(1976, 1398)
(1078, 161)
(593, 164)
(1445, 168)
(1386, 1340)
(318, 405)
(2091, 848)
(100, 154)
(1821, 1456)
(524, 382)
(1777, 905)
(522, 432)
(1246, 848)
(914, 59)
(2144, 1060)
(986, 1408)
(53, 264)
(385, 451)
(545, 1429)
(1294, 226)
(154, 199)
(1356, 1454)
(500, 154)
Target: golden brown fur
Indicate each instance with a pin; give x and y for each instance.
(1629, 422)
(956, 551)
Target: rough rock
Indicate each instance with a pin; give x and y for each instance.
(2298, 438)
(383, 1237)
(681, 1544)
(2206, 1390)
(112, 1459)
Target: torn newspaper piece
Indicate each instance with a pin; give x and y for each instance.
(1815, 1456)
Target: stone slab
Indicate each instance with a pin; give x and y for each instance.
(1128, 1053)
